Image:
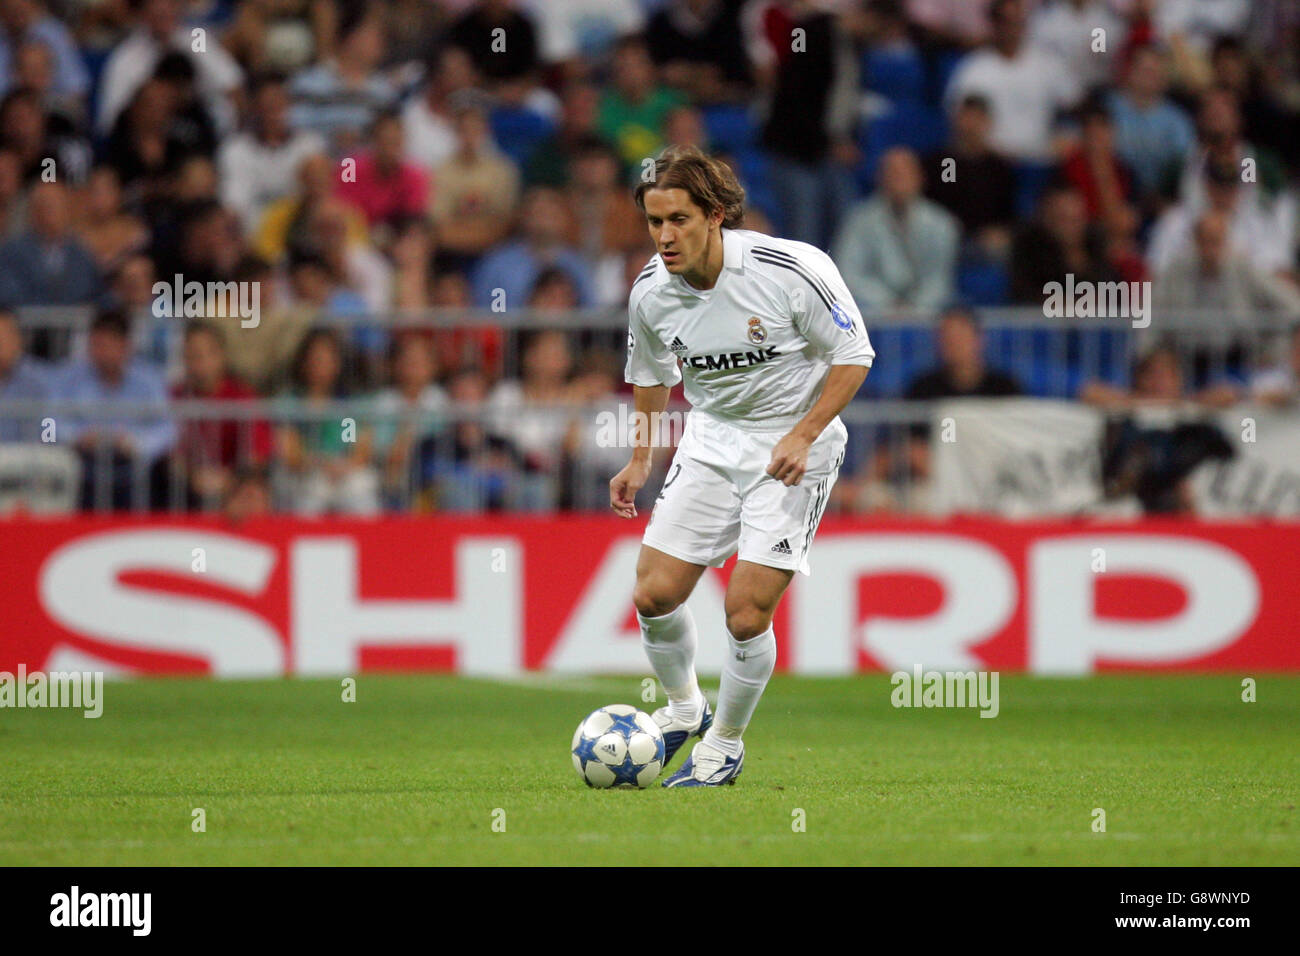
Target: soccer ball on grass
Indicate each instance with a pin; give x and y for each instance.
(618, 746)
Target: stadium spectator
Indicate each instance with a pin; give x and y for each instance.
(327, 457)
(408, 411)
(809, 129)
(361, 272)
(553, 291)
(1024, 88)
(122, 454)
(34, 69)
(13, 199)
(428, 119)
(339, 98)
(509, 55)
(260, 165)
(47, 264)
(384, 185)
(635, 104)
(1152, 134)
(210, 452)
(1094, 169)
(46, 150)
(1261, 182)
(466, 467)
(157, 30)
(1064, 31)
(476, 346)
(1213, 280)
(203, 245)
(528, 413)
(973, 182)
(1158, 433)
(411, 253)
(1279, 385)
(950, 24)
(898, 249)
(281, 35)
(573, 33)
(684, 126)
(27, 24)
(550, 163)
(284, 224)
(698, 45)
(606, 221)
(261, 355)
(1255, 231)
(475, 190)
(962, 370)
(588, 461)
(22, 378)
(1060, 243)
(506, 275)
(145, 147)
(902, 458)
(105, 228)
(249, 496)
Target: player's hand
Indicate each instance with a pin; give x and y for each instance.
(789, 459)
(624, 486)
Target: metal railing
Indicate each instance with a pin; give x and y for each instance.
(352, 456)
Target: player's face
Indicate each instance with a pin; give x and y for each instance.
(681, 230)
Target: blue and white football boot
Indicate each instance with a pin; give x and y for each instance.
(708, 767)
(676, 732)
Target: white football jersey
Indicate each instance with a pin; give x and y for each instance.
(754, 349)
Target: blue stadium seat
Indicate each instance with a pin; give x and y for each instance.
(730, 128)
(1031, 180)
(983, 284)
(896, 74)
(518, 131)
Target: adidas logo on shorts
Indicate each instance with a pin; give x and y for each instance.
(782, 546)
(678, 345)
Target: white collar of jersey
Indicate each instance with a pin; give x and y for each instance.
(733, 251)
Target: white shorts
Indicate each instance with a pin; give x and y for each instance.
(718, 499)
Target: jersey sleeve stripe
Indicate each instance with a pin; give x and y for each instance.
(811, 273)
(801, 271)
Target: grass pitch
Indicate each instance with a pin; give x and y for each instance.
(417, 770)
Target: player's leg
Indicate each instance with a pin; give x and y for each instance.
(668, 633)
(753, 594)
(695, 524)
(778, 523)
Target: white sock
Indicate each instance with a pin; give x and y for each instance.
(743, 681)
(669, 642)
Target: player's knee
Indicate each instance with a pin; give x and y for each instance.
(748, 622)
(654, 601)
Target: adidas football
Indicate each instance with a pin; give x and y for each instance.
(618, 746)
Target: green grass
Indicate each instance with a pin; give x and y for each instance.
(412, 772)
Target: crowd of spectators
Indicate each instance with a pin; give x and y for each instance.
(393, 160)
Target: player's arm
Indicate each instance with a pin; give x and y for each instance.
(825, 314)
(790, 456)
(650, 402)
(652, 371)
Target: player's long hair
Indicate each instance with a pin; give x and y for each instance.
(709, 182)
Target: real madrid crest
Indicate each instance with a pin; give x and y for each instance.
(757, 334)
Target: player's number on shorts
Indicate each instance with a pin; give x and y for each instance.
(677, 470)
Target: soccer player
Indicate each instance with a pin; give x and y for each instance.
(771, 348)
